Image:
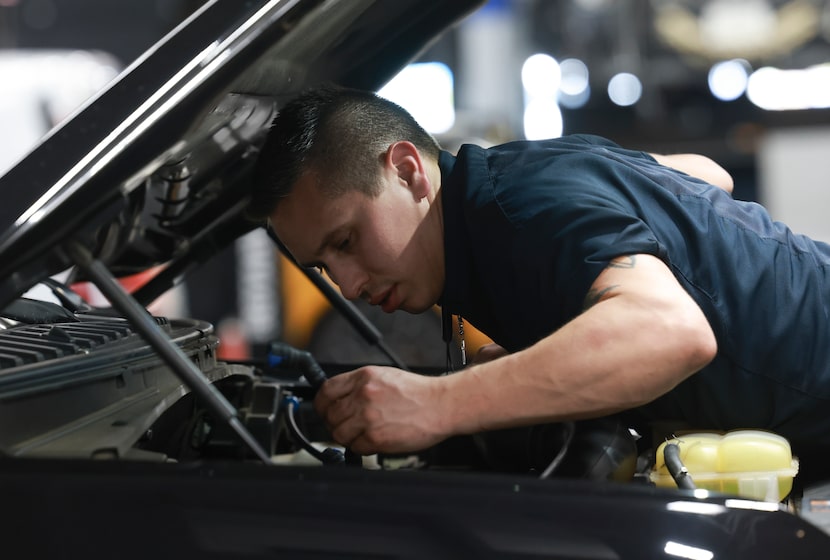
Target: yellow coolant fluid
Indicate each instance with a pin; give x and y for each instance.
(752, 464)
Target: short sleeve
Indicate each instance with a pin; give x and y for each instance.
(570, 228)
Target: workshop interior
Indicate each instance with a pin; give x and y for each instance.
(159, 353)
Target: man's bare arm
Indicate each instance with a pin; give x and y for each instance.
(698, 166)
(640, 335)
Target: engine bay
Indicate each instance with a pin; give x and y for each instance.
(86, 384)
(99, 410)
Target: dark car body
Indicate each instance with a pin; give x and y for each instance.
(104, 447)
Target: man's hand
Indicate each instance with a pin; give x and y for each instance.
(382, 409)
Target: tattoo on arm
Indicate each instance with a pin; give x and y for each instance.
(594, 296)
(627, 261)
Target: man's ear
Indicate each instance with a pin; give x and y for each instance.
(408, 164)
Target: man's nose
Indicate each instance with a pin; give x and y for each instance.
(349, 279)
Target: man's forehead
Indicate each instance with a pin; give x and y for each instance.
(305, 195)
(306, 220)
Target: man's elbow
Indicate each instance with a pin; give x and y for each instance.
(699, 166)
(698, 344)
(720, 177)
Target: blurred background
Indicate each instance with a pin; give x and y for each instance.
(746, 82)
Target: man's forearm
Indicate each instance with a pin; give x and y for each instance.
(621, 353)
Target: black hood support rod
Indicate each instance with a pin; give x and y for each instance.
(347, 309)
(146, 326)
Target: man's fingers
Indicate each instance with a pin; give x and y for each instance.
(334, 389)
(337, 404)
(339, 411)
(347, 434)
(362, 446)
(374, 409)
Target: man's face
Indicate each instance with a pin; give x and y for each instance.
(387, 249)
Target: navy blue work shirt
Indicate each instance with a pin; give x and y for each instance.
(530, 225)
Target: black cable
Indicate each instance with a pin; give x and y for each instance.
(678, 471)
(286, 356)
(570, 428)
(283, 355)
(329, 456)
(446, 335)
(68, 298)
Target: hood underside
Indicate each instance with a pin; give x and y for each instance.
(156, 168)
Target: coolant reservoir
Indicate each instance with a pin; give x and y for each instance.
(752, 464)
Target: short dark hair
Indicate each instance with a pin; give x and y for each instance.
(336, 132)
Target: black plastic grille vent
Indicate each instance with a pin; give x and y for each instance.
(29, 344)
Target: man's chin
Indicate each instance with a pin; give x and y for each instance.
(407, 305)
(414, 309)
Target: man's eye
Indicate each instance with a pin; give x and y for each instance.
(343, 245)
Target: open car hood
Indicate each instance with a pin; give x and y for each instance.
(156, 168)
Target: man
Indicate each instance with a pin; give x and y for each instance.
(612, 280)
